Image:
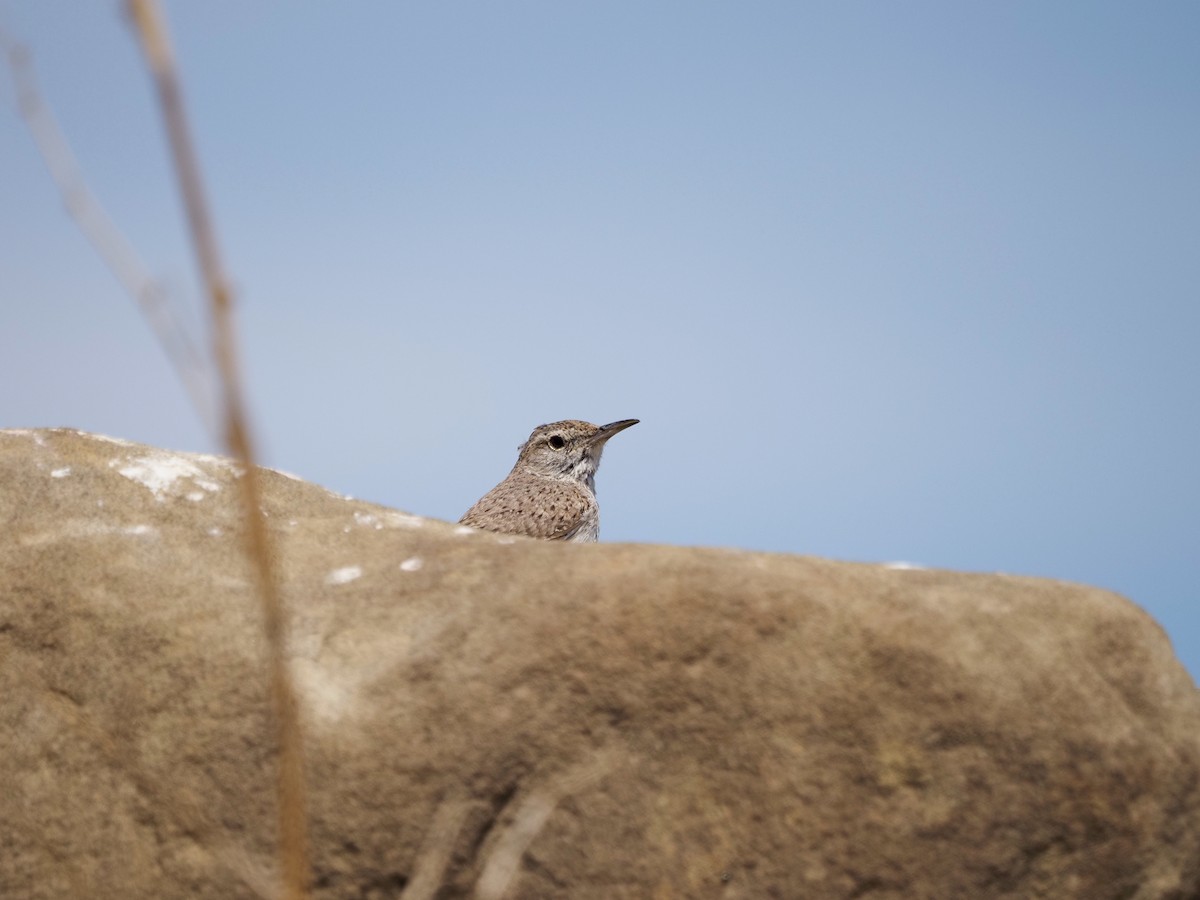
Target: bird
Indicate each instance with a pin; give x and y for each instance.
(551, 491)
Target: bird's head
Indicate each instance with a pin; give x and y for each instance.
(570, 449)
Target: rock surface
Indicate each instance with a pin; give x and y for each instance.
(493, 717)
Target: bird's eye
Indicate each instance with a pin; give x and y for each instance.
(556, 442)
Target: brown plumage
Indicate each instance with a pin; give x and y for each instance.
(551, 491)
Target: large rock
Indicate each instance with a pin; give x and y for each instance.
(490, 714)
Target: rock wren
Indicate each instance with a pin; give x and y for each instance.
(551, 491)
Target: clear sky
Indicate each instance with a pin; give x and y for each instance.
(883, 282)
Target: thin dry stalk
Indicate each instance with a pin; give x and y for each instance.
(104, 236)
(530, 817)
(292, 793)
(434, 856)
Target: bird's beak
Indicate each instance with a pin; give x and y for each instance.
(607, 431)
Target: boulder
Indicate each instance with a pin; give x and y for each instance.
(491, 717)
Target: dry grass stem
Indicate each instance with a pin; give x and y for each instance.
(531, 815)
(105, 237)
(292, 791)
(430, 867)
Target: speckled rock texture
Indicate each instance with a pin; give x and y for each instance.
(496, 717)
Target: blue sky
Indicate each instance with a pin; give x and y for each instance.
(882, 281)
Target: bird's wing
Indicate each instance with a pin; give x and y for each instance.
(534, 507)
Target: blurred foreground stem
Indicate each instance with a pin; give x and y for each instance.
(292, 794)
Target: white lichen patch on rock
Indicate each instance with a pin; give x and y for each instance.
(394, 519)
(344, 575)
(387, 519)
(221, 462)
(161, 473)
